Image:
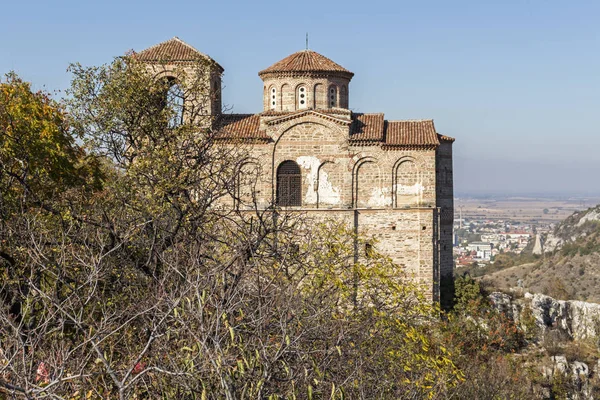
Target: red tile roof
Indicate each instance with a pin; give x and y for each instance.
(444, 138)
(364, 129)
(367, 127)
(240, 126)
(411, 133)
(173, 50)
(306, 61)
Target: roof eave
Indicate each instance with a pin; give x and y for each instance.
(292, 74)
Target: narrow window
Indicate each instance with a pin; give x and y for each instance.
(273, 98)
(175, 100)
(302, 97)
(332, 96)
(289, 184)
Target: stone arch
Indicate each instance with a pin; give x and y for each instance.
(175, 98)
(318, 96)
(289, 137)
(367, 191)
(302, 97)
(166, 73)
(247, 183)
(329, 184)
(287, 96)
(173, 95)
(333, 96)
(289, 184)
(407, 184)
(272, 97)
(335, 131)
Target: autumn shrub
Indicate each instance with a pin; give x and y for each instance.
(136, 279)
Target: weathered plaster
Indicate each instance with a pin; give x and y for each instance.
(380, 197)
(311, 164)
(327, 194)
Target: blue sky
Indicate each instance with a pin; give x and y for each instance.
(516, 82)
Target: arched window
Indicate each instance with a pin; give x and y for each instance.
(175, 100)
(289, 184)
(333, 96)
(273, 98)
(302, 99)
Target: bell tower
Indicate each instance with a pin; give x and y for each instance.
(193, 74)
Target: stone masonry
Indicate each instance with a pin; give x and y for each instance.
(389, 180)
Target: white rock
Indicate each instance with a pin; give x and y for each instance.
(560, 364)
(580, 368)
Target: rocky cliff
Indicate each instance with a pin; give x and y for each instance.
(567, 324)
(577, 320)
(573, 228)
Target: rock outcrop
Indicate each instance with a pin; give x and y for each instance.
(574, 320)
(578, 225)
(577, 319)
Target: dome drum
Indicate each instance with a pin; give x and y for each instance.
(305, 80)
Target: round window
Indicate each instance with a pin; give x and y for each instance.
(302, 89)
(301, 101)
(302, 95)
(273, 103)
(273, 90)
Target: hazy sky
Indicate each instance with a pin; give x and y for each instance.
(516, 82)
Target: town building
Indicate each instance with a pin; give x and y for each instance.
(482, 250)
(310, 153)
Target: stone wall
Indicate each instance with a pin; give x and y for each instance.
(205, 99)
(396, 196)
(445, 204)
(318, 92)
(404, 235)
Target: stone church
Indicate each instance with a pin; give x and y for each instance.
(309, 152)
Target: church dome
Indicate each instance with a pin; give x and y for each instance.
(306, 62)
(305, 80)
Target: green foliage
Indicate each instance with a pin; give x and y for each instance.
(128, 274)
(467, 294)
(38, 155)
(152, 286)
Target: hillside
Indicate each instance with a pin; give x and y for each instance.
(570, 266)
(577, 226)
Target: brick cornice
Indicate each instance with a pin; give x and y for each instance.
(303, 113)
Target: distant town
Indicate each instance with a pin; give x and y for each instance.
(486, 228)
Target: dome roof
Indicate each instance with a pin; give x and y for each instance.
(306, 61)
